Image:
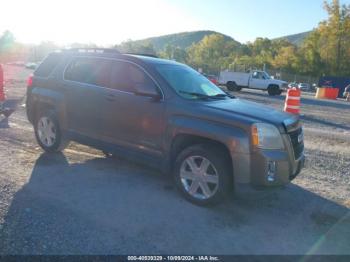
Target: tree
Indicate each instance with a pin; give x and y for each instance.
(309, 56)
(9, 49)
(327, 49)
(7, 40)
(336, 31)
(134, 47)
(286, 59)
(212, 53)
(175, 53)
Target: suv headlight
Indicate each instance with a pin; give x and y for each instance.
(266, 136)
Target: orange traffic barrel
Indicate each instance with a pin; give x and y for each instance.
(331, 93)
(327, 93)
(292, 104)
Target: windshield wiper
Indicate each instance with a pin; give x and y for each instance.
(194, 94)
(218, 96)
(223, 95)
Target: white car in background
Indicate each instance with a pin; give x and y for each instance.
(304, 86)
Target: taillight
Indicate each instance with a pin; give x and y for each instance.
(30, 81)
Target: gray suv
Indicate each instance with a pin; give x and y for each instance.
(164, 114)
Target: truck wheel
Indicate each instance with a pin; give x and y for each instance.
(48, 133)
(273, 90)
(232, 86)
(279, 92)
(202, 174)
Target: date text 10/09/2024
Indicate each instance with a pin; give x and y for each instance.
(173, 258)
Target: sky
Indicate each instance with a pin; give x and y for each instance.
(107, 22)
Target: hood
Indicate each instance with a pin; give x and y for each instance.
(278, 82)
(256, 112)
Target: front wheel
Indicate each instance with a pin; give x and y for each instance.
(203, 175)
(273, 90)
(48, 133)
(279, 92)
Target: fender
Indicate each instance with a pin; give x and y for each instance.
(42, 97)
(235, 139)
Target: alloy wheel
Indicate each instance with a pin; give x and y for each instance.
(199, 177)
(46, 131)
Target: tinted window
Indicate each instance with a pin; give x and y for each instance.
(128, 77)
(48, 65)
(92, 71)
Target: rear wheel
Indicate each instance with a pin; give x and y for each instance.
(48, 133)
(202, 174)
(232, 86)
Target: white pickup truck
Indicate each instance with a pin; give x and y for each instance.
(235, 81)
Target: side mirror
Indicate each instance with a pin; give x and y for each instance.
(147, 91)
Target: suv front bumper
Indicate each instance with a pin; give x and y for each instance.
(270, 167)
(274, 168)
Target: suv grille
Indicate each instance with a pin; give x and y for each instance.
(298, 147)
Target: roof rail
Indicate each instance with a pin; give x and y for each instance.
(140, 54)
(93, 50)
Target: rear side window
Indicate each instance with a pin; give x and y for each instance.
(48, 65)
(91, 71)
(128, 77)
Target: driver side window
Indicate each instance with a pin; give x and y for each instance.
(130, 78)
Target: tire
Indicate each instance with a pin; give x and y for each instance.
(273, 90)
(279, 92)
(50, 137)
(218, 181)
(232, 86)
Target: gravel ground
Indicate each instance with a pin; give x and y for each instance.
(79, 202)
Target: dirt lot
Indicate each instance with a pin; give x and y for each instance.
(79, 202)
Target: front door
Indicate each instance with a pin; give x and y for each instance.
(257, 80)
(133, 120)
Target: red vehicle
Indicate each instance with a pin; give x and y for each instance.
(212, 78)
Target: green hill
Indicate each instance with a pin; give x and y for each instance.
(182, 40)
(296, 39)
(186, 39)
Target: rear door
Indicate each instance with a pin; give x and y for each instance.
(132, 120)
(43, 79)
(84, 81)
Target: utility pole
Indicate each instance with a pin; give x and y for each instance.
(339, 47)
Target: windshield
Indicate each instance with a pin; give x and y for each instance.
(188, 83)
(266, 75)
